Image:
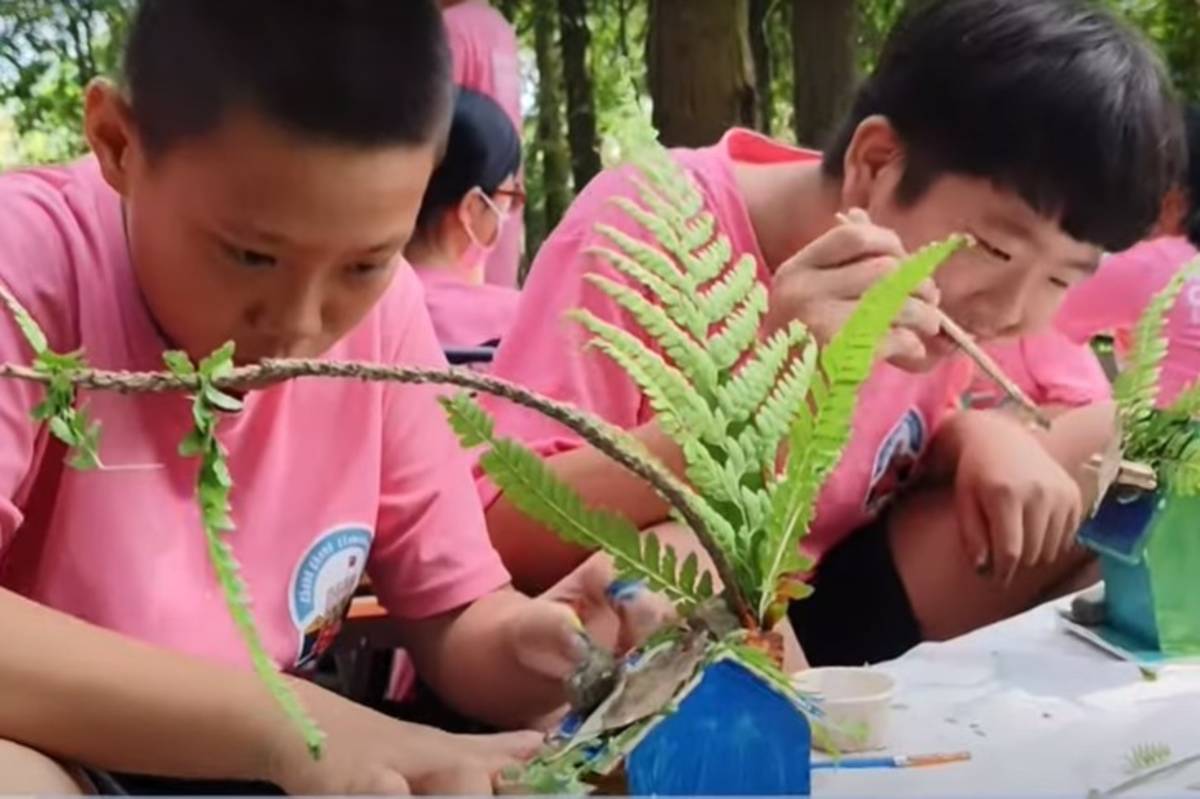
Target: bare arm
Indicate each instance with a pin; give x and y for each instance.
(91, 696)
(536, 557)
(481, 659)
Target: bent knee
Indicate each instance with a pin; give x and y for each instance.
(26, 771)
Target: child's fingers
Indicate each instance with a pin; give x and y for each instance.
(972, 527)
(640, 611)
(1004, 521)
(844, 245)
(1040, 532)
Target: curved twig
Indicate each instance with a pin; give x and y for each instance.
(605, 438)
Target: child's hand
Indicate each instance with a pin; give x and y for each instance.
(618, 615)
(370, 754)
(822, 283)
(1016, 505)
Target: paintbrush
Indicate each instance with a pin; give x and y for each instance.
(966, 343)
(895, 761)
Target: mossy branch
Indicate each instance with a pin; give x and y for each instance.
(605, 438)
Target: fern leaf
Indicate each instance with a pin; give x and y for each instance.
(1136, 388)
(538, 493)
(819, 439)
(679, 408)
(686, 354)
(711, 260)
(719, 300)
(739, 335)
(1187, 404)
(697, 233)
(752, 384)
(779, 412)
(647, 266)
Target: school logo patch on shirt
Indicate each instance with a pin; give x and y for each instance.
(896, 460)
(323, 586)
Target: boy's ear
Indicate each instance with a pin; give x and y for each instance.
(108, 125)
(874, 163)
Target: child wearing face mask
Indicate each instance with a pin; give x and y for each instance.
(242, 190)
(487, 60)
(472, 196)
(937, 142)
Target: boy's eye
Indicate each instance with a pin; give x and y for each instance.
(992, 249)
(250, 258)
(1060, 283)
(364, 269)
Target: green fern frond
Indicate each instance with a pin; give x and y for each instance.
(538, 493)
(1144, 757)
(787, 400)
(752, 383)
(653, 270)
(1136, 388)
(214, 485)
(742, 330)
(680, 409)
(1187, 404)
(711, 259)
(685, 353)
(819, 437)
(59, 409)
(719, 299)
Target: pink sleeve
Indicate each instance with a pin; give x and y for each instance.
(547, 352)
(1111, 299)
(38, 235)
(433, 554)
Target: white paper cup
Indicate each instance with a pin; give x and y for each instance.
(857, 704)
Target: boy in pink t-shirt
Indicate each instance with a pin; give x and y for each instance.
(937, 143)
(241, 190)
(487, 60)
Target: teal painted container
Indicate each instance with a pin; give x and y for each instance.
(1149, 551)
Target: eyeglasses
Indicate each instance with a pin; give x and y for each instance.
(517, 196)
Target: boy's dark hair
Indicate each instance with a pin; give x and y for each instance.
(484, 149)
(357, 72)
(1054, 99)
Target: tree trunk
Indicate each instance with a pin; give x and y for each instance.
(823, 32)
(581, 100)
(760, 46)
(551, 141)
(701, 69)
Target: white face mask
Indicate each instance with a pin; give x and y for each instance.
(478, 244)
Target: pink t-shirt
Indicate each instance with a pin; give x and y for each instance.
(467, 315)
(1049, 367)
(332, 477)
(897, 416)
(486, 60)
(1116, 296)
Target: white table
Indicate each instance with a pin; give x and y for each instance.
(1041, 712)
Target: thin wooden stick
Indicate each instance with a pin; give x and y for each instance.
(964, 341)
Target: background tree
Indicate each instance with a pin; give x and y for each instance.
(701, 69)
(581, 98)
(786, 67)
(823, 34)
(49, 51)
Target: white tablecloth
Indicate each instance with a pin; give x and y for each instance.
(1041, 712)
